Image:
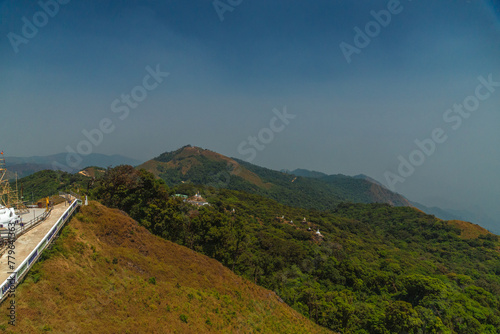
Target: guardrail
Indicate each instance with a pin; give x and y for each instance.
(75, 195)
(17, 275)
(23, 227)
(64, 195)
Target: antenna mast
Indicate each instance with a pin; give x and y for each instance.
(9, 197)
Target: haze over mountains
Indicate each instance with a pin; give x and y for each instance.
(308, 189)
(25, 166)
(333, 128)
(200, 166)
(446, 214)
(373, 268)
(197, 165)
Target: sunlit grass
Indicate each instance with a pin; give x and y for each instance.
(98, 279)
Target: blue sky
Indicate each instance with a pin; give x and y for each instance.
(226, 77)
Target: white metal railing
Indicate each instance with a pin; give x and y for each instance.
(17, 275)
(23, 227)
(75, 195)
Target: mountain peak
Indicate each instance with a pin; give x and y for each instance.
(197, 165)
(189, 152)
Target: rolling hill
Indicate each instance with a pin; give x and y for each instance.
(300, 187)
(107, 274)
(199, 166)
(360, 268)
(444, 214)
(373, 268)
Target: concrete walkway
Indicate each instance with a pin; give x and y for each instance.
(26, 243)
(32, 214)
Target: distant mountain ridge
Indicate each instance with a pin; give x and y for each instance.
(25, 166)
(444, 214)
(300, 187)
(200, 166)
(307, 173)
(438, 212)
(475, 216)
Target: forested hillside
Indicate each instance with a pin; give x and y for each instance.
(48, 182)
(107, 274)
(374, 269)
(198, 166)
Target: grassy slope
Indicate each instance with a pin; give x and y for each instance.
(469, 230)
(199, 166)
(98, 279)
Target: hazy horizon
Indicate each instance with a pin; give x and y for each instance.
(364, 82)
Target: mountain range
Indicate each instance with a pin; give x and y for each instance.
(357, 268)
(350, 267)
(200, 166)
(25, 166)
(300, 187)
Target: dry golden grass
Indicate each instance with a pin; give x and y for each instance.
(189, 154)
(250, 177)
(153, 166)
(237, 169)
(469, 230)
(93, 171)
(100, 281)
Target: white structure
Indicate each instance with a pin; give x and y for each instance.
(8, 215)
(319, 233)
(197, 200)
